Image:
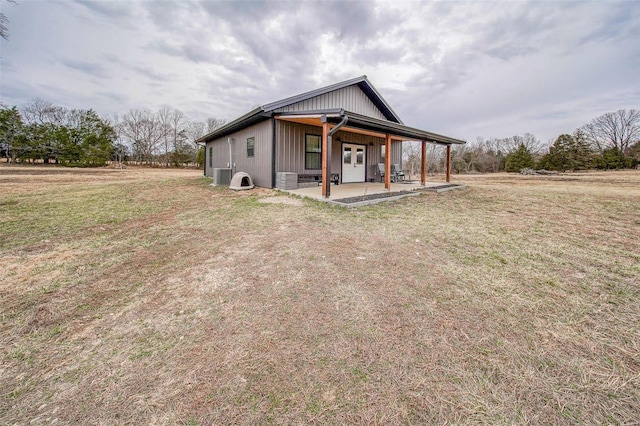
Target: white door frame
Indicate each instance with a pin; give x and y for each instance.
(354, 171)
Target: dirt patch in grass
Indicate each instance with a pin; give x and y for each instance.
(290, 201)
(136, 296)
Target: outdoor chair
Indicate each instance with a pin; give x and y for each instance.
(381, 171)
(396, 171)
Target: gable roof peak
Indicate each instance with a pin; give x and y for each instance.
(362, 82)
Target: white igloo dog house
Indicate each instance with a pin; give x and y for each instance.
(240, 181)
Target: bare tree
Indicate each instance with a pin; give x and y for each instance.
(4, 21)
(4, 30)
(195, 130)
(490, 154)
(214, 123)
(529, 141)
(177, 124)
(617, 130)
(163, 118)
(435, 158)
(178, 131)
(412, 157)
(121, 146)
(145, 132)
(40, 111)
(463, 158)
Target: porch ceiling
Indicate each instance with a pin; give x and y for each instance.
(358, 123)
(316, 121)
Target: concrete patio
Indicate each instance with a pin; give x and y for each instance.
(369, 192)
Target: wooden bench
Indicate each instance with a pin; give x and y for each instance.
(335, 178)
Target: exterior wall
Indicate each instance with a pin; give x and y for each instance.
(350, 98)
(258, 166)
(290, 146)
(290, 149)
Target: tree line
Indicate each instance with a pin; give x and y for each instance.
(610, 141)
(41, 132)
(46, 133)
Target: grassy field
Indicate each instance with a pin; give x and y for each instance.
(151, 297)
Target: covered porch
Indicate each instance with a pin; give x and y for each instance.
(331, 121)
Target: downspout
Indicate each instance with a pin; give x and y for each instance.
(229, 141)
(273, 152)
(345, 118)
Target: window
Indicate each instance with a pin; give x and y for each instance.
(210, 156)
(359, 156)
(383, 149)
(346, 156)
(312, 152)
(251, 143)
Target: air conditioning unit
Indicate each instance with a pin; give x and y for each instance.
(221, 177)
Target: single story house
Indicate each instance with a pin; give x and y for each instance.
(336, 134)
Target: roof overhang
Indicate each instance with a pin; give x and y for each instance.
(358, 123)
(252, 117)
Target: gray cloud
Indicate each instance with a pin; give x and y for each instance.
(114, 97)
(91, 68)
(118, 12)
(459, 68)
(248, 11)
(188, 51)
(615, 23)
(144, 70)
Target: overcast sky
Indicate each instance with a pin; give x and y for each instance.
(463, 69)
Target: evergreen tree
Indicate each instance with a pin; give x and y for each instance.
(568, 153)
(634, 153)
(200, 157)
(519, 159)
(12, 138)
(86, 141)
(613, 159)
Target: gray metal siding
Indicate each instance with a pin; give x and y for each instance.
(290, 146)
(258, 166)
(290, 149)
(350, 98)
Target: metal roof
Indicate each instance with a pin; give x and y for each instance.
(362, 82)
(363, 122)
(392, 126)
(250, 118)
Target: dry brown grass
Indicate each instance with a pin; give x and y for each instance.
(150, 297)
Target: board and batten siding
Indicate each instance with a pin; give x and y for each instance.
(290, 149)
(350, 98)
(258, 166)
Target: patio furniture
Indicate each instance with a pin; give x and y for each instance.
(381, 171)
(317, 178)
(396, 171)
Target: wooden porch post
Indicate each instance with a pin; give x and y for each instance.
(325, 160)
(423, 164)
(387, 162)
(448, 163)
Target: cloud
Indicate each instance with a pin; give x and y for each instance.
(91, 68)
(461, 68)
(118, 12)
(115, 97)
